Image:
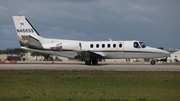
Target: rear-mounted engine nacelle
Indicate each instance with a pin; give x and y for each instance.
(67, 46)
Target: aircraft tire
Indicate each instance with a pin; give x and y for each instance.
(94, 61)
(153, 62)
(88, 62)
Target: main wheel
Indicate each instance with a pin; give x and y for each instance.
(94, 61)
(153, 62)
(88, 62)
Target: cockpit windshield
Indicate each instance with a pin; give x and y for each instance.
(142, 44)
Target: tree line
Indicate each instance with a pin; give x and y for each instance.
(17, 51)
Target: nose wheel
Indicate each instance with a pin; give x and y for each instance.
(152, 62)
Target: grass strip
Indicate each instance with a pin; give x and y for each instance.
(52, 85)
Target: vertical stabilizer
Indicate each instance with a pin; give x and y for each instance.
(27, 35)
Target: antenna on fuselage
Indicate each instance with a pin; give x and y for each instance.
(109, 39)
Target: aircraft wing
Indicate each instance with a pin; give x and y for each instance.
(87, 55)
(172, 50)
(97, 55)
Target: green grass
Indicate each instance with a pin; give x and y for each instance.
(45, 85)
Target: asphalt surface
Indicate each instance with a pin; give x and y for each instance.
(85, 67)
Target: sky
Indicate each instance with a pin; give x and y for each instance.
(154, 22)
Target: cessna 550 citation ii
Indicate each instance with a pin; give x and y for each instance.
(88, 51)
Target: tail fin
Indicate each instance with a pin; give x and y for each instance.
(27, 35)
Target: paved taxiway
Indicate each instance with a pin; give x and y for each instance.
(85, 67)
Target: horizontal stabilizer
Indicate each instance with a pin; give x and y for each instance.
(29, 38)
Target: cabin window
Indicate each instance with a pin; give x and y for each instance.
(103, 45)
(97, 45)
(108, 45)
(136, 45)
(120, 45)
(91, 45)
(114, 45)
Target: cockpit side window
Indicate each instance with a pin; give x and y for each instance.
(136, 45)
(142, 44)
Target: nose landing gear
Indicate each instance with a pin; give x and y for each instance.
(152, 62)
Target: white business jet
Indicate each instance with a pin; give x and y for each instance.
(88, 51)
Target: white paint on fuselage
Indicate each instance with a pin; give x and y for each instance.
(126, 50)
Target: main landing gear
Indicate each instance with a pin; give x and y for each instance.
(93, 62)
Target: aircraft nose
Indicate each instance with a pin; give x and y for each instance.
(166, 53)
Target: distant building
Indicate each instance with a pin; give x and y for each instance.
(174, 57)
(3, 56)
